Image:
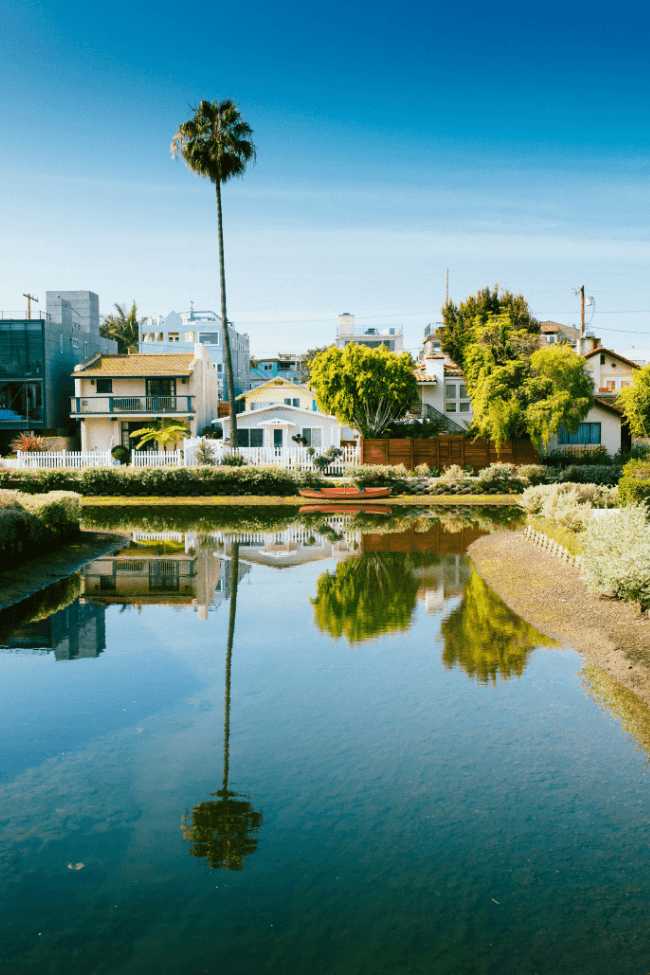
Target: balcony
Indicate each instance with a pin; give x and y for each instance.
(347, 329)
(153, 405)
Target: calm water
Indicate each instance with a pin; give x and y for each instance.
(312, 747)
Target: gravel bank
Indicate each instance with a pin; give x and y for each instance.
(552, 597)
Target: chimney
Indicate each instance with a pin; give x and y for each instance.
(587, 344)
(346, 323)
(199, 350)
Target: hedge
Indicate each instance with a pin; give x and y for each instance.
(30, 524)
(157, 481)
(634, 486)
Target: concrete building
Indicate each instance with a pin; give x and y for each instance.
(116, 395)
(390, 336)
(179, 332)
(37, 356)
(443, 393)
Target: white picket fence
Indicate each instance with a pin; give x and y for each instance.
(52, 459)
(157, 458)
(290, 458)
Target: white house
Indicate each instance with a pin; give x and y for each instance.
(275, 426)
(116, 395)
(443, 392)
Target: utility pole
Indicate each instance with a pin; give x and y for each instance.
(582, 311)
(30, 298)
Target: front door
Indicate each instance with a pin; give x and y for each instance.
(277, 438)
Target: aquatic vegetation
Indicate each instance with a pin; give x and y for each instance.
(485, 638)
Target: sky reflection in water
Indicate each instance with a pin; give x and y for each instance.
(315, 750)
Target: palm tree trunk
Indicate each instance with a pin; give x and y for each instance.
(234, 582)
(224, 321)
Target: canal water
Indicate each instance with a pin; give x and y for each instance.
(311, 745)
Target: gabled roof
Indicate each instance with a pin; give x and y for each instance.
(140, 364)
(608, 406)
(276, 406)
(275, 381)
(614, 355)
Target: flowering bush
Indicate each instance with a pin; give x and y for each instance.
(545, 499)
(533, 473)
(616, 555)
(28, 443)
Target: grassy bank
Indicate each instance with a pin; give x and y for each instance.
(270, 500)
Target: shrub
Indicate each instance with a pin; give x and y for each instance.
(204, 456)
(634, 486)
(545, 498)
(533, 473)
(591, 474)
(32, 523)
(376, 474)
(423, 470)
(123, 454)
(28, 443)
(452, 473)
(233, 460)
(616, 555)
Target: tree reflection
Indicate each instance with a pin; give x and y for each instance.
(364, 597)
(486, 638)
(225, 831)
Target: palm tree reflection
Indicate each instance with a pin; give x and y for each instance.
(224, 831)
(486, 638)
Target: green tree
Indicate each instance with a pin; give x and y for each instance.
(166, 432)
(486, 638)
(216, 143)
(364, 388)
(519, 389)
(459, 320)
(365, 597)
(634, 400)
(123, 328)
(225, 831)
(306, 362)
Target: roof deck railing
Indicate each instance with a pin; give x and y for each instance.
(345, 329)
(23, 316)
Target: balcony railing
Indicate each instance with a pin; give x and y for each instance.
(131, 404)
(381, 330)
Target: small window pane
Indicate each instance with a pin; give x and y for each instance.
(463, 392)
(451, 392)
(317, 438)
(465, 407)
(295, 402)
(243, 438)
(104, 385)
(189, 336)
(451, 407)
(257, 438)
(287, 402)
(209, 338)
(306, 432)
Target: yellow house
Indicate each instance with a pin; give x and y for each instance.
(277, 392)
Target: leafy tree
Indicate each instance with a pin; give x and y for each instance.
(216, 144)
(486, 638)
(123, 328)
(364, 388)
(460, 320)
(365, 597)
(225, 831)
(306, 362)
(635, 403)
(518, 389)
(165, 432)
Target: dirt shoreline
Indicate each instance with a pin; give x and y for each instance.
(26, 578)
(551, 596)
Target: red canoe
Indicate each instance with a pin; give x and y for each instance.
(346, 493)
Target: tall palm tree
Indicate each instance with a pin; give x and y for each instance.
(225, 831)
(123, 328)
(216, 144)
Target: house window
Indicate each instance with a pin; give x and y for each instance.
(75, 343)
(161, 387)
(292, 402)
(173, 337)
(313, 436)
(219, 367)
(85, 350)
(189, 336)
(586, 433)
(209, 338)
(104, 385)
(268, 366)
(602, 359)
(457, 399)
(250, 438)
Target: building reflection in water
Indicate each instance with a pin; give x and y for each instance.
(78, 630)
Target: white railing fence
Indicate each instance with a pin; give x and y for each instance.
(157, 458)
(64, 458)
(291, 458)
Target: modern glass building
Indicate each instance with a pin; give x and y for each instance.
(38, 352)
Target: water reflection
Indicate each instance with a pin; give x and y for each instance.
(224, 831)
(485, 638)
(618, 701)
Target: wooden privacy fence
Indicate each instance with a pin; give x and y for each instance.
(443, 451)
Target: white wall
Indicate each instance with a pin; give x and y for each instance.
(610, 429)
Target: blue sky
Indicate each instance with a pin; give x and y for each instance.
(394, 141)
